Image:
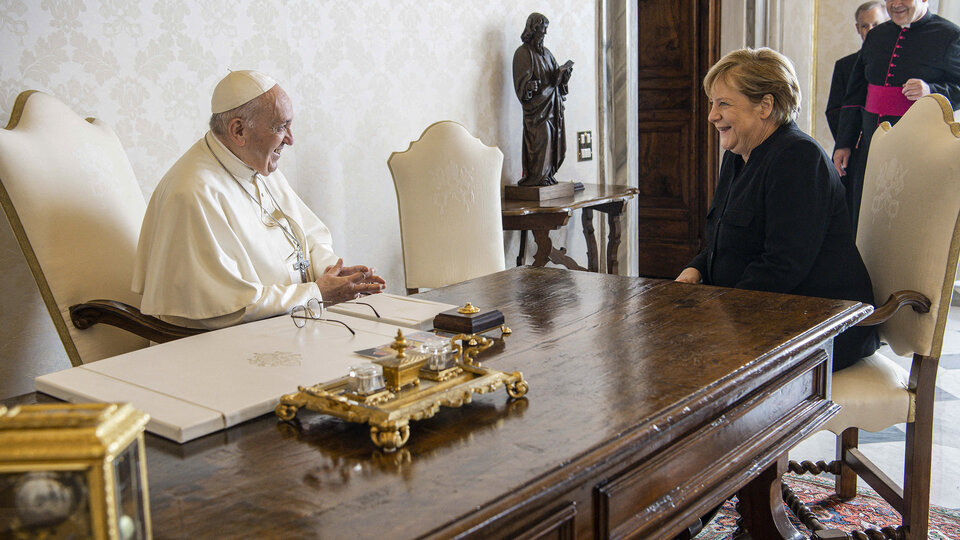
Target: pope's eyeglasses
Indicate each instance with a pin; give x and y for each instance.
(314, 311)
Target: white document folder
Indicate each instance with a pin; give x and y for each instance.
(406, 311)
(197, 385)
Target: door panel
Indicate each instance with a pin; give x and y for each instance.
(679, 41)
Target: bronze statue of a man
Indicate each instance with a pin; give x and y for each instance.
(541, 86)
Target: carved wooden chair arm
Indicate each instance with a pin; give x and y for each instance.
(897, 300)
(128, 318)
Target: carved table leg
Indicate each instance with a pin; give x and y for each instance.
(761, 505)
(593, 264)
(544, 247)
(546, 252)
(523, 248)
(613, 241)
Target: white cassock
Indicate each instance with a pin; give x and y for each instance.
(210, 257)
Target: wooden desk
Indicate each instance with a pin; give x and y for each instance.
(650, 402)
(543, 217)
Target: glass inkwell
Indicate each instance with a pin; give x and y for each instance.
(365, 379)
(441, 359)
(365, 385)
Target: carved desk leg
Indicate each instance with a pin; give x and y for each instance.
(761, 506)
(593, 264)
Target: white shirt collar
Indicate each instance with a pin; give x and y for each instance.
(232, 163)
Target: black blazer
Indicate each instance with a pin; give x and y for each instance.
(779, 222)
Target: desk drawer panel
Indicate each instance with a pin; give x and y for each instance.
(645, 494)
(559, 525)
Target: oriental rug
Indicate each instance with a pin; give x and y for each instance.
(867, 510)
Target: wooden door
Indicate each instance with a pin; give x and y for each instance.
(678, 42)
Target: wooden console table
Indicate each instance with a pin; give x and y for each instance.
(545, 216)
(650, 402)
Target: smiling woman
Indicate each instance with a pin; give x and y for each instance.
(778, 221)
(752, 93)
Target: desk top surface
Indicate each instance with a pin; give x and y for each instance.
(611, 361)
(592, 195)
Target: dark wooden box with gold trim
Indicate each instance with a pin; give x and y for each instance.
(455, 320)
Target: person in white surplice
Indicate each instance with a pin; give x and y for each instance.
(225, 239)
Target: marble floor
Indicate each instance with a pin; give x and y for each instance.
(886, 448)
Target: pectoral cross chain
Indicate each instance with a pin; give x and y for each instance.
(302, 264)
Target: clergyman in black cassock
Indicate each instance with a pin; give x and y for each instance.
(927, 49)
(838, 88)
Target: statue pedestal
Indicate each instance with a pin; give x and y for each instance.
(538, 193)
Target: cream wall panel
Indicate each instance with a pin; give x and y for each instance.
(836, 37)
(795, 28)
(366, 78)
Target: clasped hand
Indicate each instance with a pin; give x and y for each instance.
(340, 283)
(915, 89)
(689, 275)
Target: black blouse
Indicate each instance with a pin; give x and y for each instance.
(779, 223)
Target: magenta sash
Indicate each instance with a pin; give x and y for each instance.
(886, 100)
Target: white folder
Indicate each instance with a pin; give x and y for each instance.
(405, 311)
(197, 385)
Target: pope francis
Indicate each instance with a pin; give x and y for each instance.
(225, 240)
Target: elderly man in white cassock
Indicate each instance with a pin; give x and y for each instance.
(225, 240)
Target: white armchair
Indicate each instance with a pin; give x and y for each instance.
(909, 237)
(75, 207)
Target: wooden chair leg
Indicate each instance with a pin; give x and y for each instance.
(847, 479)
(919, 442)
(916, 481)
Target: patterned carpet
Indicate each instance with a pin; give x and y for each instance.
(868, 510)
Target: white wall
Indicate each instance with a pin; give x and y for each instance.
(836, 38)
(783, 25)
(366, 78)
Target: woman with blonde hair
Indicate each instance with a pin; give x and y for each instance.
(778, 221)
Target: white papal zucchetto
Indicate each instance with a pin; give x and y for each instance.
(237, 88)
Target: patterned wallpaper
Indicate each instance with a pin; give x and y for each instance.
(836, 38)
(366, 78)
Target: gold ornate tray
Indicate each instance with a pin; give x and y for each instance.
(412, 392)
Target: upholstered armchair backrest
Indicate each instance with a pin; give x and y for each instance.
(448, 193)
(908, 220)
(75, 207)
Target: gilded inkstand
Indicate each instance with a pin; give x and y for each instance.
(405, 386)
